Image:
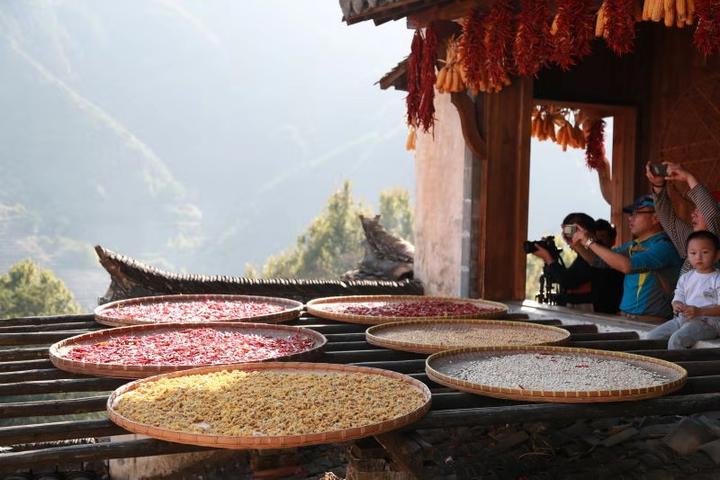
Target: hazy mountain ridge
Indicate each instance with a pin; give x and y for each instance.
(151, 127)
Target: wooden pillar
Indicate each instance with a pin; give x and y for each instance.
(624, 167)
(502, 195)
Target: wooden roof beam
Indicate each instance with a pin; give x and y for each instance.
(447, 11)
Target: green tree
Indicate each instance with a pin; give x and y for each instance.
(332, 244)
(396, 214)
(28, 290)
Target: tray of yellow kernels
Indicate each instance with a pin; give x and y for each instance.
(269, 405)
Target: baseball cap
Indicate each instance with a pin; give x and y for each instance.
(640, 202)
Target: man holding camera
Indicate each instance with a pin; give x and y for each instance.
(580, 283)
(649, 261)
(705, 216)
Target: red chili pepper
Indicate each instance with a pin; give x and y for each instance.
(707, 33)
(620, 25)
(204, 346)
(595, 148)
(531, 48)
(575, 30)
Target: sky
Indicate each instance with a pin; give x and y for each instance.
(200, 135)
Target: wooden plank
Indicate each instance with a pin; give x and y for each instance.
(96, 451)
(61, 386)
(46, 432)
(40, 338)
(53, 407)
(623, 345)
(16, 354)
(701, 367)
(8, 322)
(585, 337)
(549, 412)
(25, 365)
(51, 327)
(368, 356)
(36, 374)
(681, 355)
(349, 346)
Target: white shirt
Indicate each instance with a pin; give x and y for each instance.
(699, 290)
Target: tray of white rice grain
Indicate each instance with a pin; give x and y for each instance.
(430, 336)
(269, 405)
(555, 374)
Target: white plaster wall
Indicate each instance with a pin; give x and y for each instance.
(439, 167)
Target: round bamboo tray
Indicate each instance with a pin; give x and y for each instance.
(115, 370)
(522, 334)
(319, 308)
(269, 442)
(676, 375)
(291, 308)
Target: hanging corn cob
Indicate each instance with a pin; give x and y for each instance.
(569, 133)
(673, 13)
(450, 79)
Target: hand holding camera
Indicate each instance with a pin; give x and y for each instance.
(580, 236)
(656, 173)
(544, 248)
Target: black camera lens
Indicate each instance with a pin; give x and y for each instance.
(529, 247)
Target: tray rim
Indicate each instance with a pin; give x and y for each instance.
(292, 311)
(416, 347)
(280, 441)
(115, 370)
(314, 307)
(557, 396)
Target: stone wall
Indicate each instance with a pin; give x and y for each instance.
(439, 166)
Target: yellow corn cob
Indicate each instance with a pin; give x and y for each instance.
(669, 9)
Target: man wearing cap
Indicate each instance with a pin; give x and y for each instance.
(649, 262)
(705, 216)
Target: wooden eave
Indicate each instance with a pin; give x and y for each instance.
(386, 12)
(397, 77)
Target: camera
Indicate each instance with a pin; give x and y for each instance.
(547, 242)
(658, 169)
(569, 230)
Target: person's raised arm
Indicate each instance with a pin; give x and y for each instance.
(674, 226)
(616, 261)
(702, 198)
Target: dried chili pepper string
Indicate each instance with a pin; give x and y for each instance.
(426, 111)
(595, 150)
(413, 78)
(707, 33)
(499, 38)
(531, 48)
(573, 31)
(472, 48)
(620, 25)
